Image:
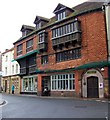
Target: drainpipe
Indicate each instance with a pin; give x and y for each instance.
(107, 22)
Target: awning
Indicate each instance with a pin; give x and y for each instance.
(84, 66)
(99, 64)
(28, 54)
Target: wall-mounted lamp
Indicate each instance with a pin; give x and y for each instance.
(102, 69)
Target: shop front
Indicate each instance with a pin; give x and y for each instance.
(15, 80)
(63, 84)
(6, 84)
(59, 84)
(29, 85)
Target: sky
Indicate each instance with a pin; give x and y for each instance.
(15, 13)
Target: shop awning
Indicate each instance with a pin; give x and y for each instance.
(100, 64)
(94, 65)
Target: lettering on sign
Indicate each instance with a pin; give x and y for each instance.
(91, 72)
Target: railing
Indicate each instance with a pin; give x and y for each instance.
(42, 46)
(29, 48)
(22, 70)
(19, 53)
(32, 68)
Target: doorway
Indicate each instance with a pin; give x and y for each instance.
(5, 85)
(46, 86)
(92, 87)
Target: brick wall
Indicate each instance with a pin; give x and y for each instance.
(35, 39)
(93, 43)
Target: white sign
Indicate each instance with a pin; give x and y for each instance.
(101, 85)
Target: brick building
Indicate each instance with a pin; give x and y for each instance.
(66, 54)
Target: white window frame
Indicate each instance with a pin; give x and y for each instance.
(62, 82)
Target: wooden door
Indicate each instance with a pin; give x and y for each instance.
(92, 87)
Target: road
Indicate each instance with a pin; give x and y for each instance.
(19, 106)
(0, 107)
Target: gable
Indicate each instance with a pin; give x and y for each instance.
(61, 7)
(39, 18)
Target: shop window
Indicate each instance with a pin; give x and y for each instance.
(63, 82)
(29, 84)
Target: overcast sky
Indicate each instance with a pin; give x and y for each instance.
(15, 13)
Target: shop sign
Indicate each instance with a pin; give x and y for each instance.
(101, 85)
(91, 72)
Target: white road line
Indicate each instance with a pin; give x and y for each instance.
(6, 102)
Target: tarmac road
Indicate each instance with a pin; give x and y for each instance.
(19, 106)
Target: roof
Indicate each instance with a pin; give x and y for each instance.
(87, 7)
(24, 27)
(78, 10)
(8, 50)
(61, 7)
(40, 18)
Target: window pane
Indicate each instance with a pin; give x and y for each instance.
(63, 82)
(66, 84)
(68, 55)
(44, 59)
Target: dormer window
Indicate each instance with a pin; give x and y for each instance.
(61, 15)
(26, 29)
(40, 21)
(38, 25)
(62, 12)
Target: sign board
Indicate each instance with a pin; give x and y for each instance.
(91, 72)
(100, 85)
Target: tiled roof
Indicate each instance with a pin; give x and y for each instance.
(27, 27)
(61, 6)
(78, 10)
(87, 6)
(40, 18)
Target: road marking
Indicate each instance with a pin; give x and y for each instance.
(6, 102)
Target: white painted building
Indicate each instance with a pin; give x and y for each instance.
(9, 66)
(10, 71)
